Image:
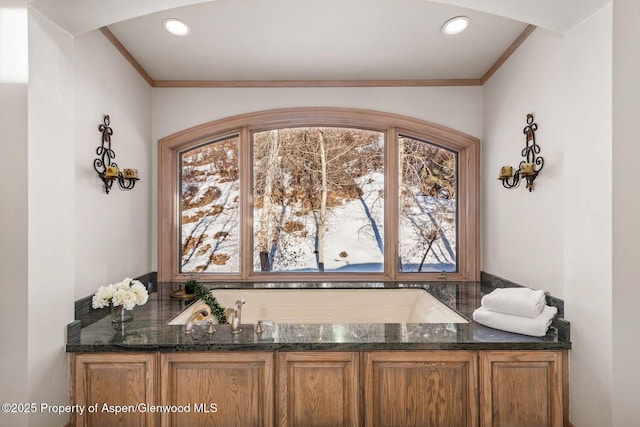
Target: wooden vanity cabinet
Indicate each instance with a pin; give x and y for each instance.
(524, 388)
(222, 388)
(318, 389)
(115, 380)
(325, 388)
(421, 388)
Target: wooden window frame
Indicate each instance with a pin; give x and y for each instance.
(467, 199)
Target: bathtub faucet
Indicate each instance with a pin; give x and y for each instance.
(188, 328)
(236, 316)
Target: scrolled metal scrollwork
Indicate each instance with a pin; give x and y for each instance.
(530, 167)
(104, 165)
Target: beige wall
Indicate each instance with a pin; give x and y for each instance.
(51, 231)
(113, 230)
(522, 230)
(626, 212)
(13, 206)
(588, 217)
(61, 236)
(37, 214)
(565, 80)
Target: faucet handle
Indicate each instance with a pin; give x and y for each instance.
(200, 314)
(235, 321)
(261, 323)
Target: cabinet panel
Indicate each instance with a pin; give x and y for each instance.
(220, 389)
(425, 388)
(318, 389)
(385, 388)
(523, 389)
(120, 381)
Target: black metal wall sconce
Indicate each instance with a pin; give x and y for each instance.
(106, 168)
(532, 164)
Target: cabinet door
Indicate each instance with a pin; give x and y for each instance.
(421, 388)
(115, 382)
(523, 389)
(318, 389)
(219, 389)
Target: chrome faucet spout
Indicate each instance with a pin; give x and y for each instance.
(188, 328)
(236, 319)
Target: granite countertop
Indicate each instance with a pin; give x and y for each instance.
(148, 331)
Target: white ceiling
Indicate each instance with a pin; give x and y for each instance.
(315, 39)
(555, 15)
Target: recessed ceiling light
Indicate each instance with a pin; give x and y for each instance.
(176, 26)
(455, 25)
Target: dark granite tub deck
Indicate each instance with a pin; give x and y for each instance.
(149, 330)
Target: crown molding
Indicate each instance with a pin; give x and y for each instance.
(315, 83)
(507, 53)
(127, 55)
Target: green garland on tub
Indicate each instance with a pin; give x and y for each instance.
(203, 293)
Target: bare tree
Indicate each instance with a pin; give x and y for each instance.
(324, 191)
(320, 167)
(427, 171)
(204, 202)
(428, 167)
(265, 234)
(331, 152)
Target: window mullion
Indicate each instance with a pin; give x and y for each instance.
(391, 204)
(246, 206)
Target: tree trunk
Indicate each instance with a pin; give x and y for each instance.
(324, 190)
(265, 234)
(424, 257)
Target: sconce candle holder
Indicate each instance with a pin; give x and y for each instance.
(532, 164)
(108, 170)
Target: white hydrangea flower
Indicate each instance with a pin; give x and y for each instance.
(141, 292)
(103, 297)
(127, 293)
(124, 285)
(125, 298)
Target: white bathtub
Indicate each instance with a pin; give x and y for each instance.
(285, 306)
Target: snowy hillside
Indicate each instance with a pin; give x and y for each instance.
(354, 224)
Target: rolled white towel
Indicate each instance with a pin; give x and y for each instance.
(519, 301)
(534, 326)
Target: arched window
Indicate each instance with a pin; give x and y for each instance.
(318, 194)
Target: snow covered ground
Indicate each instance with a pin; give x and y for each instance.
(354, 233)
